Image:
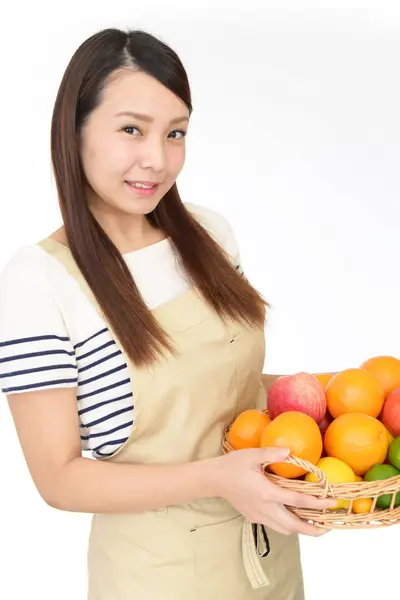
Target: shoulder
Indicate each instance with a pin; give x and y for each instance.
(25, 266)
(35, 349)
(218, 227)
(25, 285)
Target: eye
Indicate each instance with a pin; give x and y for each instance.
(130, 128)
(179, 132)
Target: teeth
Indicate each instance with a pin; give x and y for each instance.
(141, 185)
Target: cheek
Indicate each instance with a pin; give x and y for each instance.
(119, 155)
(176, 160)
(103, 159)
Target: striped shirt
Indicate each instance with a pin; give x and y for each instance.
(52, 337)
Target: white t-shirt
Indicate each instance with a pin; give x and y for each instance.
(51, 336)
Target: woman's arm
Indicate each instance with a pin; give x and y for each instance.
(48, 429)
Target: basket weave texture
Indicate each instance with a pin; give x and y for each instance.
(342, 518)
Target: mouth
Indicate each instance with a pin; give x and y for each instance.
(143, 188)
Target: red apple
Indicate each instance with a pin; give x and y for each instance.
(301, 391)
(326, 421)
(391, 412)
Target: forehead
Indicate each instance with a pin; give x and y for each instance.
(130, 90)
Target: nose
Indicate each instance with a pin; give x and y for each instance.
(153, 155)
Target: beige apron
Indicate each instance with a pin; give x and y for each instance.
(202, 550)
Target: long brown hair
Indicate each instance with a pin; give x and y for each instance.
(208, 267)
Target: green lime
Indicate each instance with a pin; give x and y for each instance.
(394, 453)
(377, 473)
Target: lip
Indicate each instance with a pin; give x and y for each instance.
(142, 191)
(144, 182)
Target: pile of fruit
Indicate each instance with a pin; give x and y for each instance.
(347, 424)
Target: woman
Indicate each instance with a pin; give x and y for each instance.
(130, 332)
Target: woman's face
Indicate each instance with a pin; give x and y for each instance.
(134, 137)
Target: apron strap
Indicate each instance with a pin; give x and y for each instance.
(64, 256)
(255, 544)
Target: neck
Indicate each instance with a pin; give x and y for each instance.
(127, 232)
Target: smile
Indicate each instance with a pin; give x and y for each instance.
(143, 189)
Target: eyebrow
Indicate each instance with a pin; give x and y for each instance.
(146, 118)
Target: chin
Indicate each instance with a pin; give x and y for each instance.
(141, 206)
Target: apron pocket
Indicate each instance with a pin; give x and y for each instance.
(226, 559)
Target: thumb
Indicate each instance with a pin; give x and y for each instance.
(272, 454)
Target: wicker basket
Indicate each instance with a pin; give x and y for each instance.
(343, 518)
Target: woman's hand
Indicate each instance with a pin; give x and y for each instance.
(242, 482)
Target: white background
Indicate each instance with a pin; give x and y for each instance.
(295, 139)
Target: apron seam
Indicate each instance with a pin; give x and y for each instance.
(232, 341)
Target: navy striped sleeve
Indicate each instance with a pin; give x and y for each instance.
(36, 352)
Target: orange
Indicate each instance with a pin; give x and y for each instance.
(358, 440)
(386, 369)
(324, 378)
(246, 430)
(298, 432)
(390, 437)
(354, 390)
(362, 505)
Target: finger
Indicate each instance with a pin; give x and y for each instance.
(299, 500)
(324, 530)
(308, 501)
(272, 523)
(289, 521)
(271, 454)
